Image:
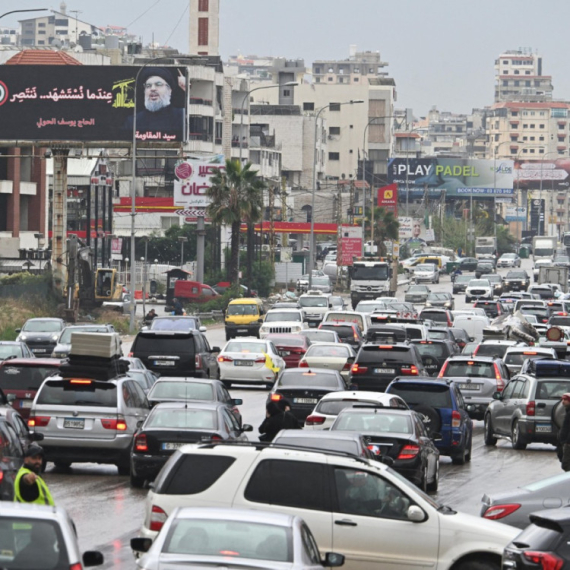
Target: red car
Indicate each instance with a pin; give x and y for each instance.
(291, 347)
(21, 378)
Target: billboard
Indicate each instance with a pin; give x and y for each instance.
(194, 179)
(555, 174)
(351, 245)
(413, 231)
(92, 103)
(515, 214)
(457, 177)
(388, 198)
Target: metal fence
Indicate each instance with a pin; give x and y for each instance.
(24, 290)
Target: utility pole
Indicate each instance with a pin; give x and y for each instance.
(271, 225)
(285, 236)
(351, 205)
(339, 239)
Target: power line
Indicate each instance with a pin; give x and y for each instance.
(145, 12)
(177, 24)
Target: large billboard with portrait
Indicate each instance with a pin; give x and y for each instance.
(92, 103)
(455, 176)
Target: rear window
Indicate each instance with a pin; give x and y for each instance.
(245, 347)
(337, 351)
(181, 391)
(562, 321)
(435, 395)
(287, 341)
(470, 369)
(517, 358)
(551, 389)
(319, 336)
(24, 377)
(373, 422)
(328, 444)
(78, 393)
(182, 419)
(278, 317)
(434, 316)
(342, 332)
(435, 350)
(371, 354)
(542, 293)
(437, 335)
(346, 318)
(413, 333)
(497, 350)
(191, 474)
(316, 379)
(164, 344)
(173, 324)
(538, 311)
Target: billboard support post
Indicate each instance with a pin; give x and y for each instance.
(59, 223)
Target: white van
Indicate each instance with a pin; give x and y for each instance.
(473, 325)
(348, 317)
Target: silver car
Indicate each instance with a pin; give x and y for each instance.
(42, 538)
(88, 420)
(63, 346)
(233, 538)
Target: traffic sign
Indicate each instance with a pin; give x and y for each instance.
(191, 213)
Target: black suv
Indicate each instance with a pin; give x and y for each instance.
(376, 365)
(176, 353)
(492, 309)
(516, 280)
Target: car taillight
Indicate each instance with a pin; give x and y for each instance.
(225, 359)
(118, 424)
(303, 364)
(197, 362)
(276, 397)
(357, 369)
(346, 366)
(500, 381)
(455, 419)
(442, 371)
(530, 408)
(141, 443)
(409, 452)
(76, 566)
(211, 438)
(315, 420)
(1, 476)
(131, 354)
(157, 518)
(547, 560)
(497, 512)
(411, 370)
(38, 421)
(259, 360)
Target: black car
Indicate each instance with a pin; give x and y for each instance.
(348, 333)
(492, 309)
(516, 280)
(169, 426)
(20, 426)
(376, 365)
(304, 387)
(41, 334)
(468, 264)
(441, 300)
(434, 353)
(541, 313)
(460, 283)
(12, 454)
(460, 337)
(543, 545)
(483, 268)
(176, 353)
(497, 282)
(399, 435)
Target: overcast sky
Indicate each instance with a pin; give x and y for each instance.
(441, 52)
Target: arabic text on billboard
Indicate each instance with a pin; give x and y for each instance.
(554, 174)
(194, 178)
(351, 245)
(92, 103)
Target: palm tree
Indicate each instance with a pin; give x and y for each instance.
(386, 227)
(254, 199)
(233, 197)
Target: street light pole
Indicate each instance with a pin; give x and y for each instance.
(182, 240)
(30, 10)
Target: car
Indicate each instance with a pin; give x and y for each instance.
(369, 306)
(249, 361)
(19, 425)
(12, 349)
(442, 407)
(304, 387)
(509, 260)
(473, 325)
(280, 321)
(469, 312)
(88, 421)
(537, 265)
(171, 425)
(561, 261)
(518, 280)
(145, 378)
(497, 348)
(479, 289)
(417, 294)
(134, 363)
(460, 337)
(469, 348)
(515, 356)
(178, 353)
(434, 353)
(322, 283)
(543, 544)
(41, 334)
(348, 333)
(484, 267)
(331, 356)
(21, 378)
(560, 321)
(492, 309)
(12, 454)
(323, 487)
(543, 292)
(524, 411)
(440, 333)
(425, 272)
(330, 405)
(497, 282)
(303, 281)
(376, 365)
(234, 539)
(468, 264)
(403, 310)
(41, 537)
(400, 435)
(176, 323)
(478, 378)
(320, 335)
(541, 313)
(442, 317)
(63, 346)
(337, 302)
(460, 283)
(441, 300)
(291, 347)
(316, 305)
(343, 317)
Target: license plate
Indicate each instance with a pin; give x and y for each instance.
(470, 387)
(284, 353)
(431, 366)
(243, 362)
(305, 400)
(39, 350)
(543, 428)
(73, 423)
(25, 403)
(164, 363)
(242, 330)
(172, 446)
(384, 370)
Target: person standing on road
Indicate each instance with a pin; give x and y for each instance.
(177, 307)
(276, 420)
(564, 435)
(29, 487)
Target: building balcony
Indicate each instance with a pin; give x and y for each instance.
(200, 101)
(237, 144)
(238, 111)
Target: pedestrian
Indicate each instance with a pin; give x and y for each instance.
(289, 419)
(150, 316)
(273, 423)
(564, 435)
(29, 487)
(177, 307)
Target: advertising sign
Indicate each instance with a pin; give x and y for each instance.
(194, 179)
(537, 208)
(555, 174)
(388, 198)
(92, 103)
(457, 177)
(351, 245)
(515, 214)
(413, 231)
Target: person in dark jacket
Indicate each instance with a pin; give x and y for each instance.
(177, 308)
(276, 420)
(564, 434)
(290, 421)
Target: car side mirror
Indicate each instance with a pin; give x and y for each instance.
(139, 424)
(36, 436)
(203, 329)
(415, 514)
(216, 349)
(471, 339)
(497, 395)
(145, 328)
(18, 330)
(333, 560)
(436, 436)
(246, 427)
(140, 544)
(237, 401)
(94, 558)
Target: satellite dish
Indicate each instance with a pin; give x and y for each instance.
(56, 43)
(78, 49)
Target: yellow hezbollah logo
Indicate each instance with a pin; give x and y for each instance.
(124, 94)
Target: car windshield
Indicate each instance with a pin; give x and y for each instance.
(24, 377)
(65, 337)
(245, 347)
(517, 275)
(313, 301)
(463, 278)
(164, 390)
(375, 273)
(438, 297)
(233, 539)
(470, 369)
(434, 395)
(310, 378)
(7, 350)
(184, 418)
(321, 281)
(490, 349)
(542, 292)
(538, 311)
(336, 351)
(479, 283)
(173, 324)
(319, 335)
(78, 393)
(378, 421)
(279, 316)
(494, 278)
(508, 256)
(436, 350)
(434, 334)
(42, 326)
(242, 310)
(551, 389)
(367, 307)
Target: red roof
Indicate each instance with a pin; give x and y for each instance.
(42, 57)
(545, 105)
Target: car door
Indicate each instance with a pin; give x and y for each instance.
(21, 429)
(207, 356)
(500, 410)
(371, 527)
(427, 447)
(11, 459)
(133, 399)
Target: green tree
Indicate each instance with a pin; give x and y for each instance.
(386, 227)
(254, 200)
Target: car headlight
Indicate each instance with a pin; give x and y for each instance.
(428, 304)
(22, 337)
(54, 337)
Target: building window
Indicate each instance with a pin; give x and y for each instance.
(334, 156)
(541, 139)
(351, 151)
(341, 79)
(334, 130)
(41, 25)
(527, 84)
(62, 22)
(496, 137)
(525, 150)
(167, 222)
(356, 79)
(505, 83)
(527, 72)
(308, 106)
(317, 79)
(525, 138)
(541, 151)
(513, 151)
(560, 152)
(531, 138)
(330, 78)
(532, 125)
(308, 212)
(516, 71)
(517, 83)
(203, 31)
(204, 6)
(334, 107)
(513, 114)
(317, 69)
(506, 62)
(525, 126)
(352, 126)
(532, 151)
(42, 32)
(286, 92)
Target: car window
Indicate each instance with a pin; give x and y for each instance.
(384, 422)
(181, 391)
(296, 484)
(433, 394)
(11, 446)
(314, 379)
(509, 390)
(163, 344)
(310, 546)
(224, 395)
(183, 418)
(78, 393)
(470, 368)
(371, 354)
(459, 398)
(430, 349)
(520, 389)
(24, 377)
(552, 389)
(140, 398)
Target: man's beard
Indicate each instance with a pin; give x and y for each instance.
(154, 106)
(37, 469)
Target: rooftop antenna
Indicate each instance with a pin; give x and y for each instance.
(76, 12)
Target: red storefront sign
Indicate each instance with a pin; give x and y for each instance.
(388, 198)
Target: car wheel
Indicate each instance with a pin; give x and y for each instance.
(434, 485)
(490, 439)
(461, 457)
(62, 464)
(517, 438)
(482, 563)
(137, 482)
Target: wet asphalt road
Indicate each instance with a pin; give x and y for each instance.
(107, 512)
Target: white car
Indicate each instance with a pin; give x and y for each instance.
(283, 321)
(479, 289)
(249, 361)
(426, 272)
(473, 311)
(331, 356)
(330, 405)
(370, 306)
(516, 355)
(316, 336)
(537, 265)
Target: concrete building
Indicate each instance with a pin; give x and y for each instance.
(9, 36)
(275, 69)
(204, 27)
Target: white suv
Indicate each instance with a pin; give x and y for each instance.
(283, 321)
(370, 513)
(479, 289)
